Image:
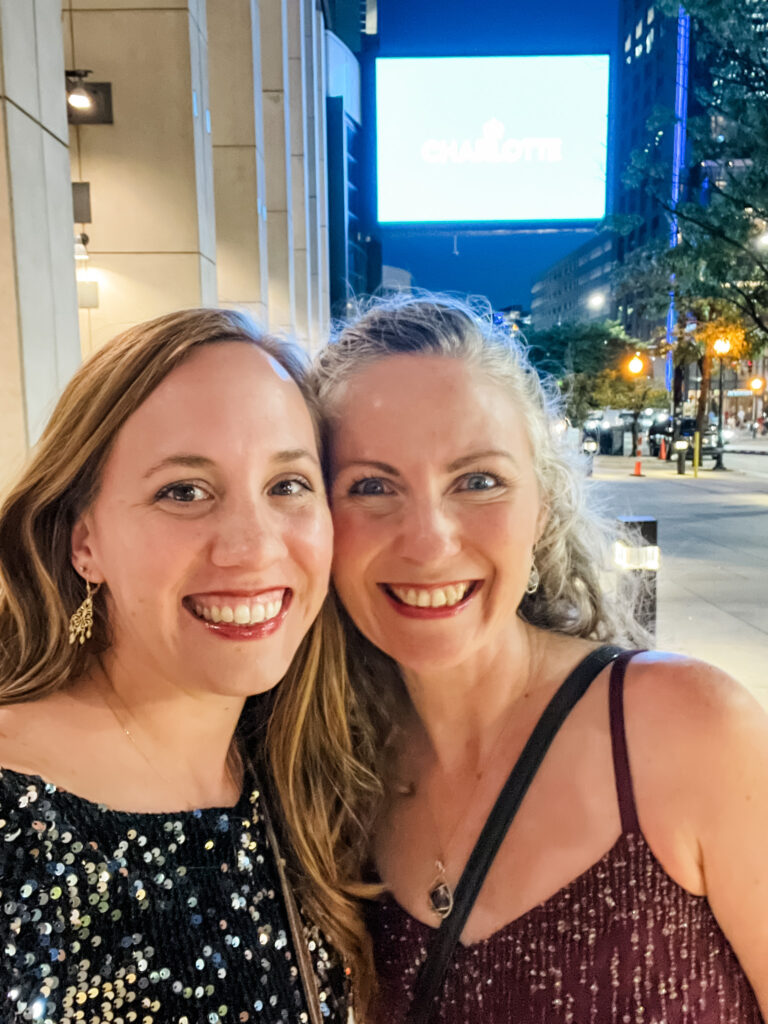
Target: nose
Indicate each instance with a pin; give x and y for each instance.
(248, 535)
(428, 533)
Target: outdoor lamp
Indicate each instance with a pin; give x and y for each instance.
(635, 364)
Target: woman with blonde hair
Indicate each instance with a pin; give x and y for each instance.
(570, 829)
(164, 561)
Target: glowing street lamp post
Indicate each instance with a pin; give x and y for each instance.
(756, 386)
(636, 367)
(722, 348)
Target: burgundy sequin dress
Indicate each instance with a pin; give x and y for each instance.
(621, 944)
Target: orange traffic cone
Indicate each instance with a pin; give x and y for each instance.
(638, 470)
(663, 449)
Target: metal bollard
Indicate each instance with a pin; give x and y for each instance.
(638, 561)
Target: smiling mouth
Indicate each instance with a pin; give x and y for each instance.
(243, 616)
(445, 596)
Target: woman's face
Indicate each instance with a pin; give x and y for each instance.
(436, 509)
(211, 529)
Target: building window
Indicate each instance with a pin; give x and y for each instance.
(639, 29)
(649, 41)
(628, 43)
(650, 15)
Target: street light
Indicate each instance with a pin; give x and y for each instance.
(756, 386)
(635, 364)
(722, 348)
(597, 300)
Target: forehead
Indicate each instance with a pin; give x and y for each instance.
(425, 403)
(226, 393)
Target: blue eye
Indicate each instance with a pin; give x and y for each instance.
(290, 487)
(370, 486)
(479, 482)
(182, 493)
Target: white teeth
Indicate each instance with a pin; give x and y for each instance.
(243, 614)
(440, 597)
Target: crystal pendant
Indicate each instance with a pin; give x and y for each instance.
(440, 899)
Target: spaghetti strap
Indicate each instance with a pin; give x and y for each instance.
(627, 808)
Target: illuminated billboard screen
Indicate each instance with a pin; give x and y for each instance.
(479, 139)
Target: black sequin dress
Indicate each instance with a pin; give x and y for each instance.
(109, 916)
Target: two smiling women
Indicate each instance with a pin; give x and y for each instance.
(178, 500)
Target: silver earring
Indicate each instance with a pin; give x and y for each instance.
(533, 580)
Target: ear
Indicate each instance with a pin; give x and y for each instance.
(83, 555)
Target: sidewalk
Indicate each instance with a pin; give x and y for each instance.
(713, 535)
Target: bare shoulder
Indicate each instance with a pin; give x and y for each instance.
(690, 697)
(698, 747)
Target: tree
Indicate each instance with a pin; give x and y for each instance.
(617, 389)
(649, 274)
(577, 348)
(723, 216)
(575, 354)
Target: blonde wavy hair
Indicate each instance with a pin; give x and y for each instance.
(575, 549)
(307, 745)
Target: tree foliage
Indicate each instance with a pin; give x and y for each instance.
(722, 217)
(578, 348)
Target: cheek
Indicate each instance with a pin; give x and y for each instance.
(311, 542)
(354, 542)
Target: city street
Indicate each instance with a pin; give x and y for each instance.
(713, 534)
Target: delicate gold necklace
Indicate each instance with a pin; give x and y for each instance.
(191, 804)
(440, 893)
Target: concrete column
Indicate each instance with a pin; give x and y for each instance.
(299, 96)
(323, 265)
(314, 89)
(39, 346)
(234, 47)
(152, 237)
(275, 80)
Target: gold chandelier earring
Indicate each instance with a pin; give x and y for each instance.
(81, 620)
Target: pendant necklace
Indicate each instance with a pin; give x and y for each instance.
(440, 894)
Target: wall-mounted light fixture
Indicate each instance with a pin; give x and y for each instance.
(87, 102)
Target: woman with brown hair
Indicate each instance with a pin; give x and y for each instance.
(569, 832)
(164, 561)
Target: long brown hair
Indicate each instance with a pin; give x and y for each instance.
(308, 745)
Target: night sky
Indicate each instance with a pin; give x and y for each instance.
(501, 267)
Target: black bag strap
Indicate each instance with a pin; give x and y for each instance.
(444, 942)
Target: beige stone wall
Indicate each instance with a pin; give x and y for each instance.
(195, 200)
(234, 48)
(39, 347)
(152, 238)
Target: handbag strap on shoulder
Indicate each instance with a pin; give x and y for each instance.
(496, 827)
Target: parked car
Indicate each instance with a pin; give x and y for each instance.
(710, 445)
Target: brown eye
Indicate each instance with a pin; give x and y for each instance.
(291, 487)
(182, 493)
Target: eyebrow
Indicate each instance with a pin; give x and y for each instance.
(488, 453)
(201, 462)
(465, 460)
